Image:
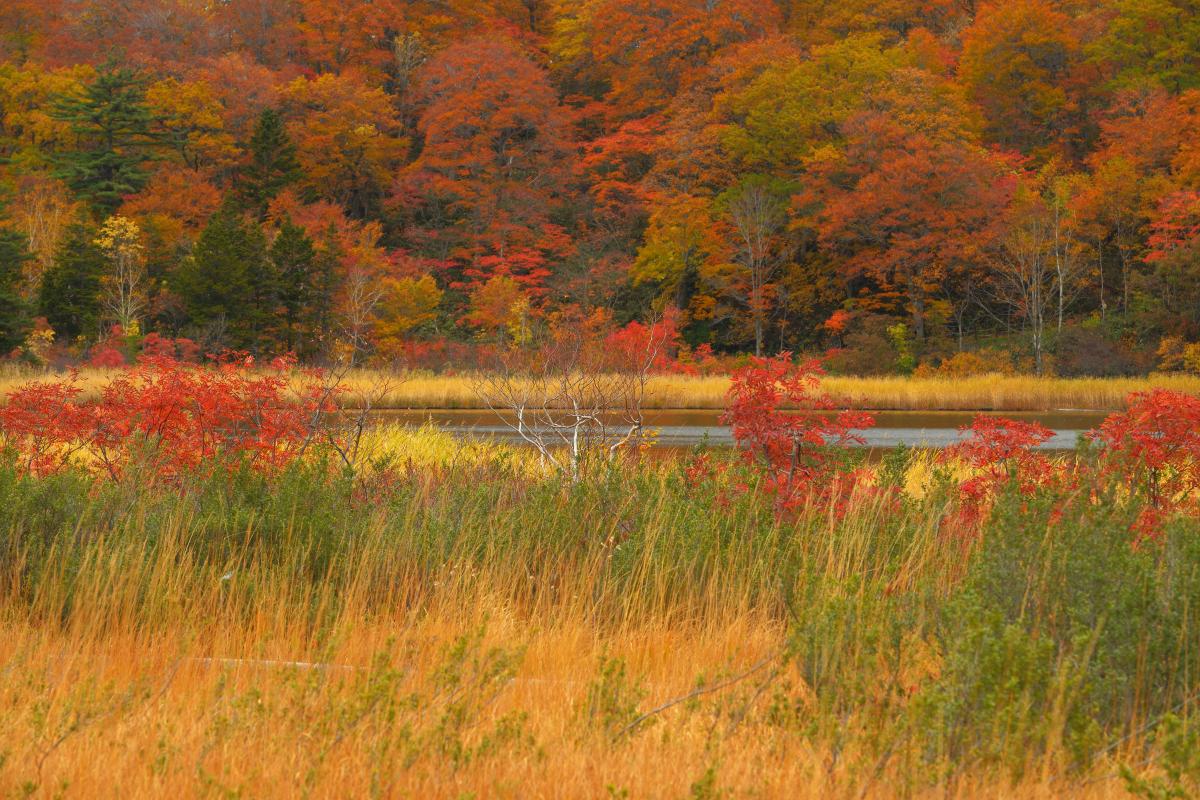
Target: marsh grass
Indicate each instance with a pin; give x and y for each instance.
(423, 390)
(485, 631)
(976, 393)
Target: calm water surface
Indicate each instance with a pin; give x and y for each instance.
(682, 429)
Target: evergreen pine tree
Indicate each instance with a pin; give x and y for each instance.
(227, 285)
(14, 310)
(294, 258)
(324, 283)
(272, 165)
(69, 298)
(264, 320)
(111, 124)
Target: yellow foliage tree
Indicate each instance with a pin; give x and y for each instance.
(681, 244)
(29, 132)
(347, 139)
(192, 120)
(120, 238)
(407, 303)
(500, 305)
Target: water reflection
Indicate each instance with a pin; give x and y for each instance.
(683, 429)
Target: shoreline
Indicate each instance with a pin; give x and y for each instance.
(983, 393)
(399, 391)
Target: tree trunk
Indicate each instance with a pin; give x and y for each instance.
(917, 295)
(1037, 323)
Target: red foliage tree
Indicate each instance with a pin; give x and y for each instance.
(1018, 63)
(651, 50)
(1176, 226)
(493, 166)
(1154, 448)
(919, 204)
(786, 428)
(1000, 450)
(615, 166)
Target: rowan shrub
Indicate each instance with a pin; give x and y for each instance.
(789, 432)
(701, 360)
(639, 344)
(441, 354)
(1002, 455)
(44, 426)
(105, 356)
(1000, 451)
(170, 418)
(154, 345)
(1153, 447)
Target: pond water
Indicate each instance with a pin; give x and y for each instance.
(682, 429)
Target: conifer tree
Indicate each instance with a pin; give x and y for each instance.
(324, 285)
(111, 125)
(272, 165)
(303, 295)
(14, 310)
(264, 320)
(69, 297)
(226, 285)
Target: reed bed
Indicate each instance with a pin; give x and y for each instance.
(975, 393)
(479, 630)
(420, 391)
(999, 392)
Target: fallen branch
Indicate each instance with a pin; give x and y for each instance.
(698, 692)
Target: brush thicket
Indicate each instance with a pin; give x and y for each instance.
(480, 630)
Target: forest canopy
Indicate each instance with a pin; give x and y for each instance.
(935, 185)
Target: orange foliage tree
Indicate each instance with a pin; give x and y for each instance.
(1018, 63)
(493, 167)
(914, 205)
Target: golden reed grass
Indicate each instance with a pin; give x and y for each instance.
(976, 393)
(134, 670)
(401, 390)
(124, 713)
(228, 695)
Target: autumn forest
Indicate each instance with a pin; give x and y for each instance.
(932, 185)
(554, 399)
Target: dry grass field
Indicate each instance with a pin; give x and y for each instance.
(207, 703)
(483, 631)
(977, 393)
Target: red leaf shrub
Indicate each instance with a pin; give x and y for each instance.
(172, 418)
(1000, 450)
(698, 470)
(43, 426)
(157, 346)
(1154, 448)
(105, 356)
(786, 428)
(701, 361)
(444, 354)
(638, 345)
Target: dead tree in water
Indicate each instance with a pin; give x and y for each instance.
(578, 398)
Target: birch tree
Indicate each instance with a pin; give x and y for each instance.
(120, 239)
(757, 216)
